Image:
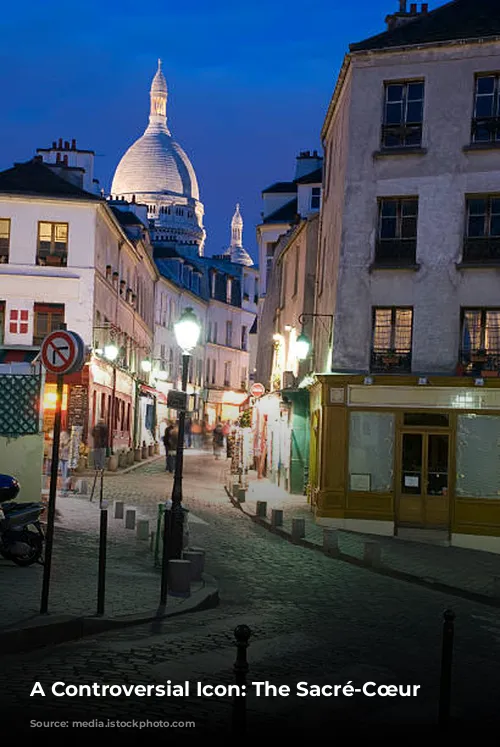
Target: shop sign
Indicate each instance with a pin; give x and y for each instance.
(177, 400)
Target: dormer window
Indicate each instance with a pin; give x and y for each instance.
(315, 198)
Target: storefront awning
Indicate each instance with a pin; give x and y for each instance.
(13, 355)
(148, 390)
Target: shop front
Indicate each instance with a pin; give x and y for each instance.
(391, 454)
(112, 394)
(222, 405)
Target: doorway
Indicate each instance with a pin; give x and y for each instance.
(423, 474)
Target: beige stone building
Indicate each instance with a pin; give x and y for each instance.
(406, 421)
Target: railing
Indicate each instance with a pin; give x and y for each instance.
(408, 136)
(390, 361)
(479, 362)
(390, 252)
(490, 124)
(52, 259)
(481, 250)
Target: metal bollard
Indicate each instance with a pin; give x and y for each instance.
(143, 529)
(158, 533)
(242, 634)
(261, 509)
(119, 509)
(298, 529)
(373, 554)
(101, 576)
(446, 662)
(276, 517)
(130, 519)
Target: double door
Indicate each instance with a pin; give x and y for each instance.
(423, 494)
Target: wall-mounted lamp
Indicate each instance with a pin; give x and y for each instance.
(146, 366)
(478, 382)
(111, 352)
(368, 380)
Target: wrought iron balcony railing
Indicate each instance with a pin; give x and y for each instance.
(486, 126)
(396, 252)
(481, 250)
(390, 361)
(479, 362)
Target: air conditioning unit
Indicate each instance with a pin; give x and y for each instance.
(288, 380)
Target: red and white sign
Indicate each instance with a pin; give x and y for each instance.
(257, 390)
(61, 352)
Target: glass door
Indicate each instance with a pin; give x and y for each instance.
(423, 499)
(410, 508)
(436, 509)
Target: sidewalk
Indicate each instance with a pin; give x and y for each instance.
(132, 581)
(468, 572)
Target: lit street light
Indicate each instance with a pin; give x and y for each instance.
(302, 345)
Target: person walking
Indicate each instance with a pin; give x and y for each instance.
(218, 441)
(166, 443)
(100, 436)
(173, 439)
(64, 447)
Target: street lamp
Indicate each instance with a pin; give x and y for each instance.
(302, 345)
(187, 333)
(146, 366)
(111, 352)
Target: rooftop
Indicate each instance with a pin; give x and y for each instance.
(284, 214)
(36, 178)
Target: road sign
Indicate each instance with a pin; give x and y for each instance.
(257, 390)
(177, 400)
(62, 352)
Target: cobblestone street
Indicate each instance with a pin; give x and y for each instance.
(313, 619)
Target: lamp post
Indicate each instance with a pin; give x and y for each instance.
(187, 332)
(303, 343)
(111, 354)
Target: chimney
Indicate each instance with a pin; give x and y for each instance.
(413, 9)
(73, 144)
(425, 8)
(60, 143)
(66, 143)
(403, 16)
(54, 144)
(402, 6)
(65, 160)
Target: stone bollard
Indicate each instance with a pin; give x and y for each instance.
(276, 517)
(81, 487)
(261, 509)
(197, 560)
(241, 495)
(119, 509)
(201, 551)
(372, 554)
(130, 519)
(137, 455)
(331, 542)
(298, 529)
(143, 529)
(235, 489)
(496, 586)
(179, 577)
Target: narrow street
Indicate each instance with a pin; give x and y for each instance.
(313, 619)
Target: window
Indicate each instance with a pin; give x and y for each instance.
(283, 282)
(52, 244)
(397, 231)
(371, 452)
(480, 340)
(229, 334)
(227, 373)
(4, 240)
(244, 378)
(403, 115)
(244, 338)
(209, 332)
(199, 371)
(214, 370)
(207, 375)
(478, 456)
(195, 285)
(47, 318)
(270, 247)
(2, 321)
(315, 198)
(392, 338)
(229, 290)
(215, 332)
(482, 240)
(486, 120)
(18, 321)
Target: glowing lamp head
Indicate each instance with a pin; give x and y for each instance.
(146, 366)
(187, 330)
(111, 352)
(302, 346)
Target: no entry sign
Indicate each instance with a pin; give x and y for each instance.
(257, 390)
(62, 352)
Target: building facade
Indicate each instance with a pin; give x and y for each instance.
(406, 267)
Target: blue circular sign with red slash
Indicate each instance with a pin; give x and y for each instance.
(62, 352)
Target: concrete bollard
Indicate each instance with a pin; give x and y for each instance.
(496, 586)
(130, 519)
(331, 542)
(372, 554)
(235, 489)
(241, 496)
(298, 529)
(276, 517)
(197, 560)
(119, 509)
(179, 577)
(143, 529)
(81, 487)
(201, 551)
(261, 509)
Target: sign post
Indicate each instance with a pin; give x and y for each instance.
(257, 390)
(62, 352)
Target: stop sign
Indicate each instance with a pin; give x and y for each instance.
(257, 390)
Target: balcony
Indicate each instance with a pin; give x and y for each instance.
(390, 361)
(483, 363)
(482, 251)
(486, 130)
(395, 253)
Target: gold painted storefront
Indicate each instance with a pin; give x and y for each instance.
(390, 453)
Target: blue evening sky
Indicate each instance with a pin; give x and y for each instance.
(249, 85)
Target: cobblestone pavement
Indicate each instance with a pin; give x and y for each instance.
(314, 619)
(470, 570)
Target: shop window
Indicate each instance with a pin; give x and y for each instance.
(478, 456)
(371, 452)
(47, 318)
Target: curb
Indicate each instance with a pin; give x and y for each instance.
(381, 570)
(64, 628)
(107, 473)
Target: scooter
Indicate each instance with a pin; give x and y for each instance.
(18, 542)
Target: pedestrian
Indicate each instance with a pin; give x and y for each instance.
(47, 451)
(196, 431)
(64, 448)
(100, 436)
(173, 438)
(218, 441)
(166, 443)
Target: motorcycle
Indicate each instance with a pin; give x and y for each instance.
(18, 542)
